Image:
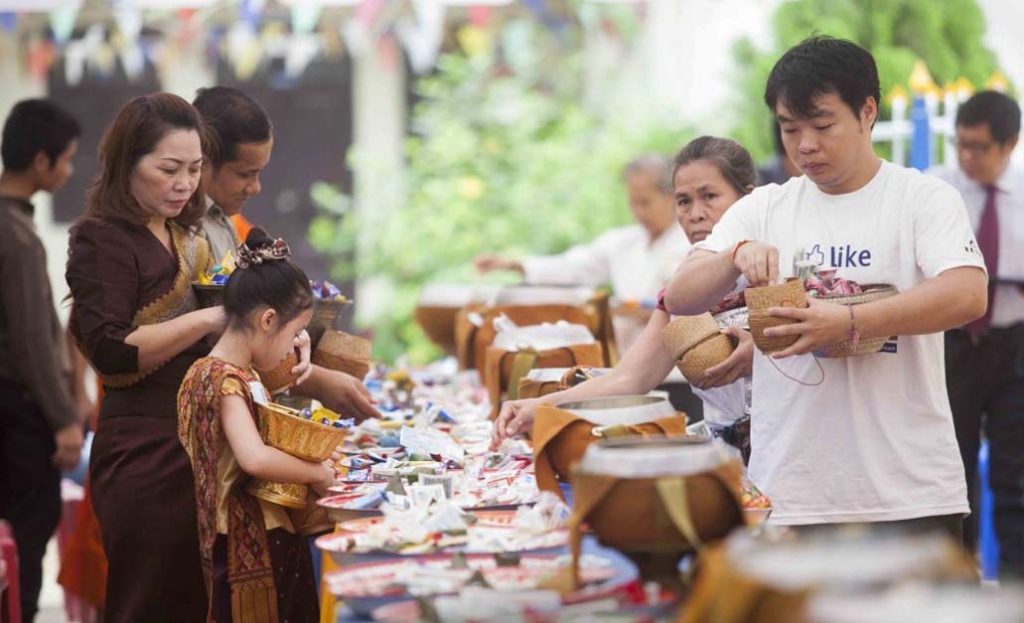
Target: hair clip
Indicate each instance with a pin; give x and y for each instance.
(264, 252)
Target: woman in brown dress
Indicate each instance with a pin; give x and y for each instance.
(132, 260)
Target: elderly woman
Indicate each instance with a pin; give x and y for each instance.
(710, 175)
(637, 260)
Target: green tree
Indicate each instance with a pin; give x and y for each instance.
(503, 158)
(946, 35)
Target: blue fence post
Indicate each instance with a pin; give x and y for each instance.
(988, 545)
(921, 137)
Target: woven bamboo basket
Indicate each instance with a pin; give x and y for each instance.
(685, 332)
(871, 292)
(707, 354)
(282, 494)
(343, 352)
(789, 294)
(696, 344)
(326, 315)
(282, 428)
(280, 377)
(208, 295)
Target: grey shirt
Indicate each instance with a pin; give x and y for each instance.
(219, 231)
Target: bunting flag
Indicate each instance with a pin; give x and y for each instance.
(479, 15)
(368, 12)
(35, 6)
(359, 32)
(243, 50)
(305, 15)
(129, 24)
(9, 21)
(249, 13)
(422, 35)
(302, 49)
(62, 20)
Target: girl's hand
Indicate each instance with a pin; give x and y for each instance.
(322, 487)
(304, 368)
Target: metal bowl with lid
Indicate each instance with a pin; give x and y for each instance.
(621, 410)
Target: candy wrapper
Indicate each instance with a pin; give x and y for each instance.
(820, 281)
(319, 413)
(219, 274)
(752, 497)
(549, 513)
(430, 442)
(327, 291)
(729, 303)
(826, 283)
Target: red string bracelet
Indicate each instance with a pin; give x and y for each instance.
(737, 248)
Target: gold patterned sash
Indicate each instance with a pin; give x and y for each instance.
(193, 260)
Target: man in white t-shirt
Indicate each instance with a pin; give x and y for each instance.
(874, 441)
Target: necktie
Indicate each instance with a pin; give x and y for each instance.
(988, 242)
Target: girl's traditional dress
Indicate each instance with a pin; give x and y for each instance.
(257, 569)
(122, 277)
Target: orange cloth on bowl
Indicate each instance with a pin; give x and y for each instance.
(561, 437)
(724, 594)
(503, 369)
(472, 341)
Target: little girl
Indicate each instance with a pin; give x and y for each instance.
(257, 569)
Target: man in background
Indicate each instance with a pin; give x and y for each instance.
(40, 427)
(985, 358)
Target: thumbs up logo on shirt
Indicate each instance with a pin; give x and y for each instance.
(815, 255)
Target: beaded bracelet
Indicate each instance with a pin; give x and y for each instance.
(854, 333)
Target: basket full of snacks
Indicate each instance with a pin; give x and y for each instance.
(328, 304)
(826, 287)
(209, 288)
(311, 434)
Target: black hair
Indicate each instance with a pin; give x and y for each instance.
(780, 149)
(232, 119)
(1001, 113)
(36, 125)
(278, 284)
(820, 65)
(733, 161)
